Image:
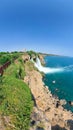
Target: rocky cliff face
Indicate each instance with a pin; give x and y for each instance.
(48, 113)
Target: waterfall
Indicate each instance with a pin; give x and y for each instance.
(46, 69)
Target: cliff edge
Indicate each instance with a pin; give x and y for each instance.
(48, 113)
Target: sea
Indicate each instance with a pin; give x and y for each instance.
(59, 77)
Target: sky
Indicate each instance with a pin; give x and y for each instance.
(39, 25)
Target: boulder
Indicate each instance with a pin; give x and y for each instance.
(63, 102)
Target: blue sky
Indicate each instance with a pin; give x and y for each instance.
(40, 25)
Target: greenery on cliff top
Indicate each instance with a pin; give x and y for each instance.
(6, 56)
(32, 53)
(15, 98)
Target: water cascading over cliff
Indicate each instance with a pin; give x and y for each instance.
(46, 69)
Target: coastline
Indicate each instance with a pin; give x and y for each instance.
(48, 110)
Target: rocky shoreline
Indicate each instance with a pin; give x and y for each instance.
(48, 112)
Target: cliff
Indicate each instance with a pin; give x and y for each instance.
(48, 113)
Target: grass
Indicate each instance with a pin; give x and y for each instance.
(15, 98)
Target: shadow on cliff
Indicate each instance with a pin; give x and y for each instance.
(34, 100)
(70, 124)
(57, 127)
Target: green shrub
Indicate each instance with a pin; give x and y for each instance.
(32, 53)
(4, 59)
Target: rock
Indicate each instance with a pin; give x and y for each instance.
(56, 89)
(39, 128)
(70, 103)
(25, 57)
(54, 82)
(63, 102)
(32, 123)
(70, 124)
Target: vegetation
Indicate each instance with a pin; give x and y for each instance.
(6, 56)
(32, 53)
(4, 59)
(15, 97)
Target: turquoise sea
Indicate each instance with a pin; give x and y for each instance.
(60, 83)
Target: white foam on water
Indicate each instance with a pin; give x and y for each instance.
(68, 68)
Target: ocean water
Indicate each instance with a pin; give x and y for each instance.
(60, 82)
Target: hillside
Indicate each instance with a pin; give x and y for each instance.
(15, 98)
